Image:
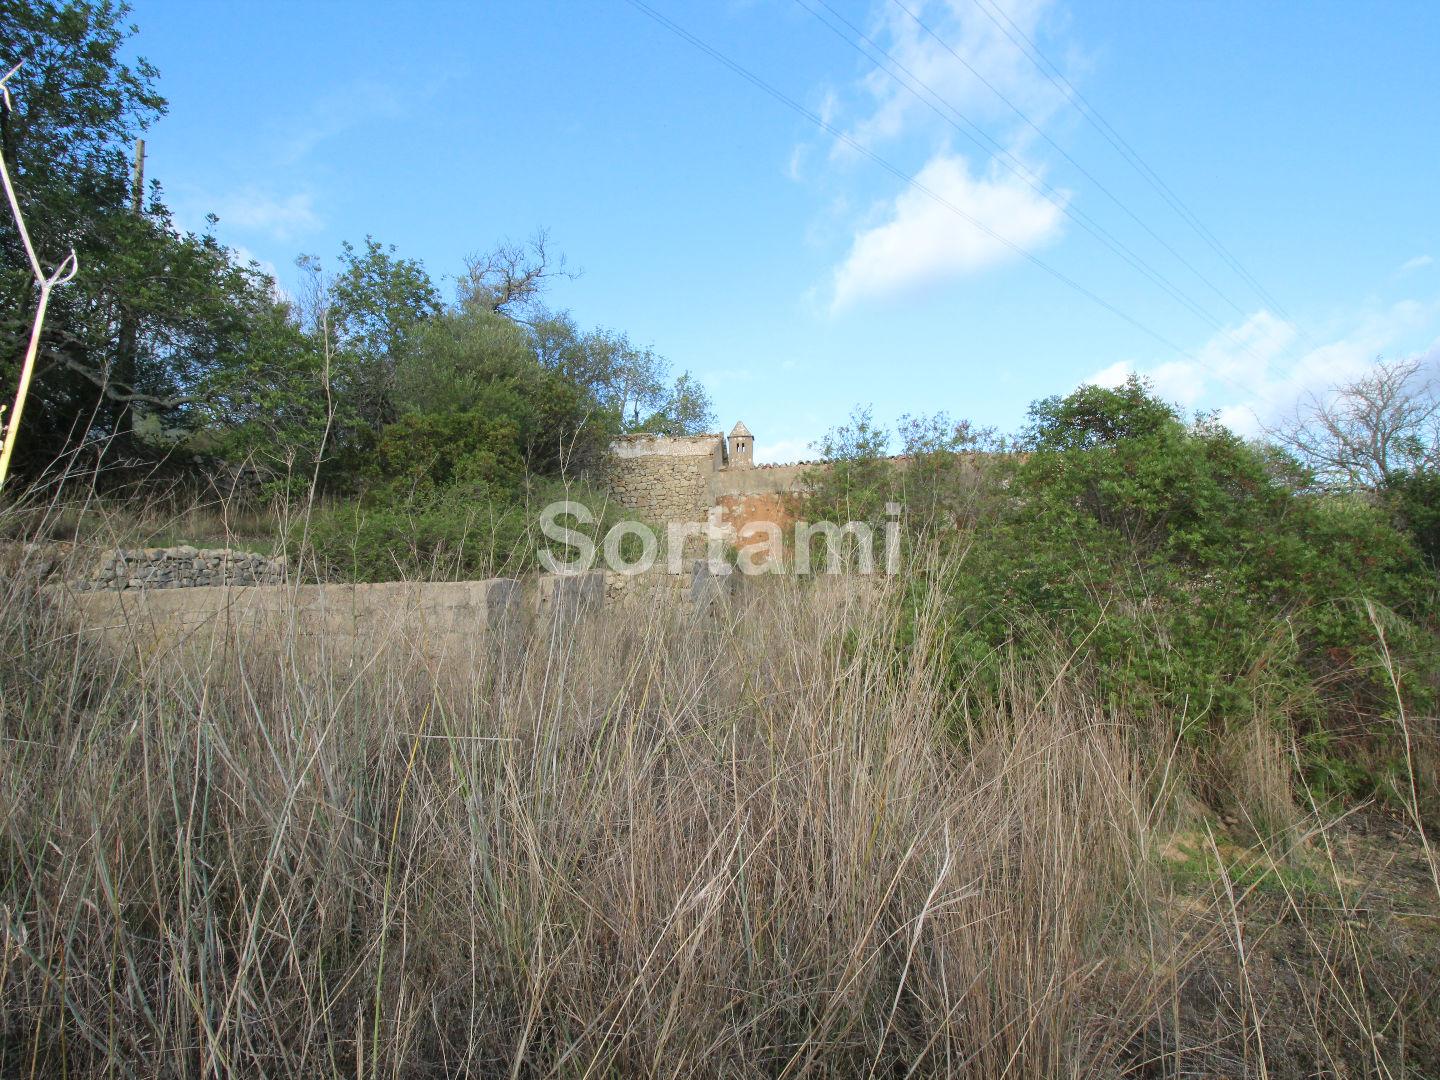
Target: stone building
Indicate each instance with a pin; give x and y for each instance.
(663, 478)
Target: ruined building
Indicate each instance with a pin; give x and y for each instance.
(663, 478)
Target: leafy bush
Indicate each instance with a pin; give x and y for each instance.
(1171, 560)
(464, 532)
(428, 452)
(1415, 497)
(948, 474)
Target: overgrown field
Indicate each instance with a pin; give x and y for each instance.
(772, 843)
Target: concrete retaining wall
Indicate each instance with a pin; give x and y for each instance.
(440, 620)
(443, 619)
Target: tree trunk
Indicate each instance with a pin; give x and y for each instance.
(125, 370)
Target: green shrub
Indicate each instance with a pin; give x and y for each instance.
(429, 452)
(1415, 499)
(465, 532)
(1174, 562)
(1195, 576)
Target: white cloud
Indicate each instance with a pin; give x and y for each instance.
(1419, 262)
(280, 217)
(923, 240)
(1254, 374)
(951, 56)
(1112, 376)
(795, 167)
(829, 107)
(360, 102)
(244, 256)
(970, 67)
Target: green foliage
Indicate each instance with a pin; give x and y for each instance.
(1201, 586)
(1198, 860)
(368, 383)
(459, 357)
(473, 366)
(1097, 416)
(154, 310)
(379, 304)
(425, 452)
(1171, 560)
(947, 473)
(631, 383)
(413, 397)
(268, 407)
(466, 532)
(1415, 498)
(858, 479)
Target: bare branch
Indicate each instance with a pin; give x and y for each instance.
(118, 391)
(510, 278)
(1359, 434)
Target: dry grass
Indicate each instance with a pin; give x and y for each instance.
(644, 847)
(159, 515)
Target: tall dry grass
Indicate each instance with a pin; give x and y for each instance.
(767, 844)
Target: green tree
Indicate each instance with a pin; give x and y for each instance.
(476, 363)
(379, 303)
(1097, 416)
(947, 471)
(154, 310)
(1415, 499)
(1195, 578)
(269, 408)
(634, 383)
(684, 409)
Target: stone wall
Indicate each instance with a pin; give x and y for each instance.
(763, 494)
(180, 567)
(663, 487)
(664, 479)
(738, 511)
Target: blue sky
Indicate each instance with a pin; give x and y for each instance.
(791, 271)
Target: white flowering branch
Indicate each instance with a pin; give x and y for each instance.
(47, 282)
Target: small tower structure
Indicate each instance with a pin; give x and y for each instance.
(742, 447)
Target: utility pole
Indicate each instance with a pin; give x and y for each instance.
(125, 368)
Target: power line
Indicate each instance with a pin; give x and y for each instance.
(1132, 156)
(976, 134)
(1063, 153)
(910, 180)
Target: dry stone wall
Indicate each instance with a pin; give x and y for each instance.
(179, 568)
(683, 478)
(663, 488)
